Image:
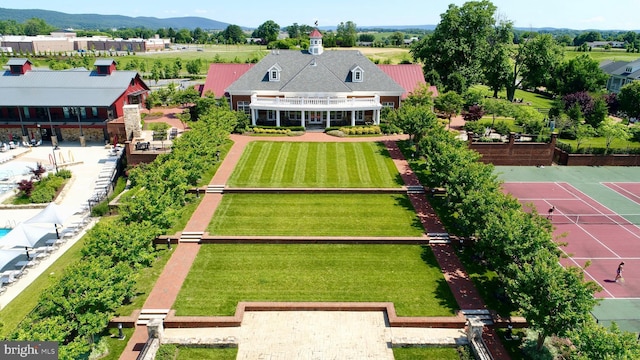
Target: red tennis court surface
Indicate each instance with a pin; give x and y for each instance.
(593, 232)
(629, 190)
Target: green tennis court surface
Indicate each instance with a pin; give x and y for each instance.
(604, 186)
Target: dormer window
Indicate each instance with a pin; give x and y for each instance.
(357, 74)
(274, 73)
(628, 69)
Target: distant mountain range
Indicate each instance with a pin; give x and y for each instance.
(96, 21)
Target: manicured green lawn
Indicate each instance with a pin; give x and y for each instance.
(427, 353)
(599, 142)
(173, 352)
(224, 274)
(601, 54)
(536, 100)
(316, 214)
(337, 165)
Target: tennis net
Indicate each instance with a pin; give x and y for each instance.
(613, 219)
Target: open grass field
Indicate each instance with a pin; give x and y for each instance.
(536, 100)
(335, 165)
(316, 215)
(224, 274)
(602, 55)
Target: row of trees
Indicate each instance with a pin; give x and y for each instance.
(472, 45)
(79, 307)
(517, 244)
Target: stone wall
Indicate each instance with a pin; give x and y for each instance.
(515, 153)
(132, 122)
(72, 134)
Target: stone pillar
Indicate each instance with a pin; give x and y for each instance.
(83, 141)
(54, 140)
(155, 329)
(132, 121)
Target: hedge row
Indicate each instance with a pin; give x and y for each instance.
(80, 306)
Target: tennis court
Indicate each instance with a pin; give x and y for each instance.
(594, 232)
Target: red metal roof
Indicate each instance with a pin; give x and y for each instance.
(220, 76)
(409, 76)
(315, 34)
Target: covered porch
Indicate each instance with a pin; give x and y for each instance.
(315, 111)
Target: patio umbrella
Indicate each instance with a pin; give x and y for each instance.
(23, 235)
(53, 214)
(8, 255)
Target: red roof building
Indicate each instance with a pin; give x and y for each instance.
(409, 76)
(220, 76)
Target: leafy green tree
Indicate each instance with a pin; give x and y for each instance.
(366, 38)
(611, 130)
(497, 63)
(598, 112)
(497, 108)
(413, 120)
(553, 299)
(347, 34)
(422, 96)
(233, 34)
(458, 43)
(397, 38)
(594, 341)
(583, 132)
(533, 63)
(183, 36)
(35, 26)
(194, 66)
(629, 99)
(267, 31)
(582, 73)
(450, 104)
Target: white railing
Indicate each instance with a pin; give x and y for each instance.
(300, 102)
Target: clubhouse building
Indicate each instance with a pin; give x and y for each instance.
(68, 105)
(314, 87)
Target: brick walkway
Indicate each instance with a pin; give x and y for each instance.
(168, 285)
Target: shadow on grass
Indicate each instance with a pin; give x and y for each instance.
(442, 291)
(404, 202)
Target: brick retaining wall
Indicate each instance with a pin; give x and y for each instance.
(515, 153)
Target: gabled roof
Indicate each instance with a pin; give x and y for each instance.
(409, 76)
(325, 73)
(104, 62)
(17, 61)
(619, 68)
(220, 76)
(48, 88)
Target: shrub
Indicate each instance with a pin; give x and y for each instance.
(336, 133)
(42, 194)
(474, 127)
(502, 128)
(64, 173)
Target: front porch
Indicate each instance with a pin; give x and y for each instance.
(306, 112)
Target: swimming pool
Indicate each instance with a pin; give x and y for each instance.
(4, 232)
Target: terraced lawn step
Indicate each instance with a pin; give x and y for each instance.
(215, 189)
(482, 315)
(415, 189)
(147, 315)
(439, 236)
(191, 236)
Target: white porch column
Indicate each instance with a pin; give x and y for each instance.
(377, 113)
(277, 117)
(302, 118)
(328, 118)
(353, 118)
(253, 117)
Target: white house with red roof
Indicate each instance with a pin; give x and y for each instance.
(313, 87)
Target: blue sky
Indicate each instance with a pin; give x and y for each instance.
(574, 14)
